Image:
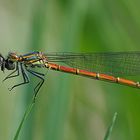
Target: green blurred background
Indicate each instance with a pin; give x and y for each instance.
(69, 107)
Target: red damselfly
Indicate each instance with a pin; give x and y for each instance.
(101, 66)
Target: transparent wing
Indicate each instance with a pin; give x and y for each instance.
(117, 63)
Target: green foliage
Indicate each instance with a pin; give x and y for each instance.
(69, 107)
(27, 112)
(109, 131)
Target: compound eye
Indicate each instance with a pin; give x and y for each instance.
(9, 65)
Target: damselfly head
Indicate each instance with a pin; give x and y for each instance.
(6, 64)
(1, 59)
(10, 65)
(2, 62)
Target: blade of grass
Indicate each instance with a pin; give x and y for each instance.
(109, 131)
(27, 112)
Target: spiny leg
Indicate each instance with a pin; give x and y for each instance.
(37, 74)
(25, 78)
(39, 85)
(10, 75)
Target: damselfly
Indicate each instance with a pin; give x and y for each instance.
(100, 66)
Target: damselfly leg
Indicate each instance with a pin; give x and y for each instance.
(21, 68)
(39, 85)
(24, 75)
(11, 74)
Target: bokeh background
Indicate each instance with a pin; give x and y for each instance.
(69, 107)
